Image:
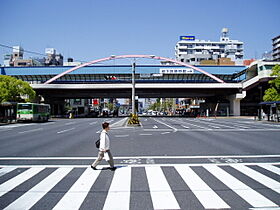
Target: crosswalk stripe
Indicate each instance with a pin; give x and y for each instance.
(271, 168)
(207, 197)
(27, 200)
(14, 182)
(119, 193)
(74, 198)
(161, 193)
(248, 194)
(4, 171)
(268, 182)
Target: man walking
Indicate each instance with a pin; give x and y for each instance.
(104, 148)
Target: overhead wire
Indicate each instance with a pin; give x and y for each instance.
(32, 52)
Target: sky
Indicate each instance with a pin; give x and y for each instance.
(91, 29)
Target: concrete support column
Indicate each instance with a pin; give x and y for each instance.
(234, 101)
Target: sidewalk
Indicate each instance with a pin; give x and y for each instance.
(7, 123)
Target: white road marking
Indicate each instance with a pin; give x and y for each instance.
(158, 157)
(29, 131)
(161, 193)
(75, 196)
(63, 131)
(228, 130)
(155, 126)
(14, 126)
(93, 123)
(137, 163)
(121, 136)
(207, 197)
(48, 123)
(119, 123)
(158, 130)
(174, 129)
(17, 180)
(4, 171)
(271, 168)
(270, 183)
(248, 194)
(165, 133)
(119, 193)
(200, 121)
(145, 134)
(185, 126)
(191, 124)
(28, 199)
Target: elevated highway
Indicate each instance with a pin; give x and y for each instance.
(178, 80)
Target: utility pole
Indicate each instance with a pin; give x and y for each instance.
(133, 87)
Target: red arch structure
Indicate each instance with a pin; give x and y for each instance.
(133, 56)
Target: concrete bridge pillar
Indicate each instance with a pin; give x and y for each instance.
(234, 101)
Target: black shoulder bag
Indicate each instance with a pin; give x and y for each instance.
(97, 143)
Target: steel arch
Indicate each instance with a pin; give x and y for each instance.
(133, 56)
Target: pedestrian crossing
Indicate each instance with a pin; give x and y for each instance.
(250, 185)
(195, 124)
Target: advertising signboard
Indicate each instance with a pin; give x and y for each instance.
(187, 38)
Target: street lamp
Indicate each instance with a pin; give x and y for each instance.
(133, 64)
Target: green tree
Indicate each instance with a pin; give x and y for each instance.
(164, 106)
(273, 93)
(15, 90)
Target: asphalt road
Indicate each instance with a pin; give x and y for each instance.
(166, 163)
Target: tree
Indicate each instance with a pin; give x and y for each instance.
(166, 105)
(15, 90)
(273, 93)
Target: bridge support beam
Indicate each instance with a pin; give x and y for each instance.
(234, 101)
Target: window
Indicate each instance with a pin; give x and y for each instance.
(268, 67)
(25, 106)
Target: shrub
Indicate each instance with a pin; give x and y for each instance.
(133, 119)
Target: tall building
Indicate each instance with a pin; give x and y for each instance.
(53, 59)
(16, 59)
(224, 52)
(276, 48)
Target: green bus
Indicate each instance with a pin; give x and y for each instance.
(33, 112)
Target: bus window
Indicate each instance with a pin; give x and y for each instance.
(25, 106)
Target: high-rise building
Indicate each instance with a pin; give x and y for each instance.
(276, 48)
(224, 52)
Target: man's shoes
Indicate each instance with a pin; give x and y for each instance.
(94, 168)
(113, 168)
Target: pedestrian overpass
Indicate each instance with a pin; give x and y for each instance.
(176, 80)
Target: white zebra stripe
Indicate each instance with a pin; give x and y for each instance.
(248, 194)
(271, 168)
(74, 198)
(207, 197)
(27, 200)
(17, 180)
(268, 182)
(4, 171)
(161, 193)
(119, 193)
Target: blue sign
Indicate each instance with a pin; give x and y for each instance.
(187, 38)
